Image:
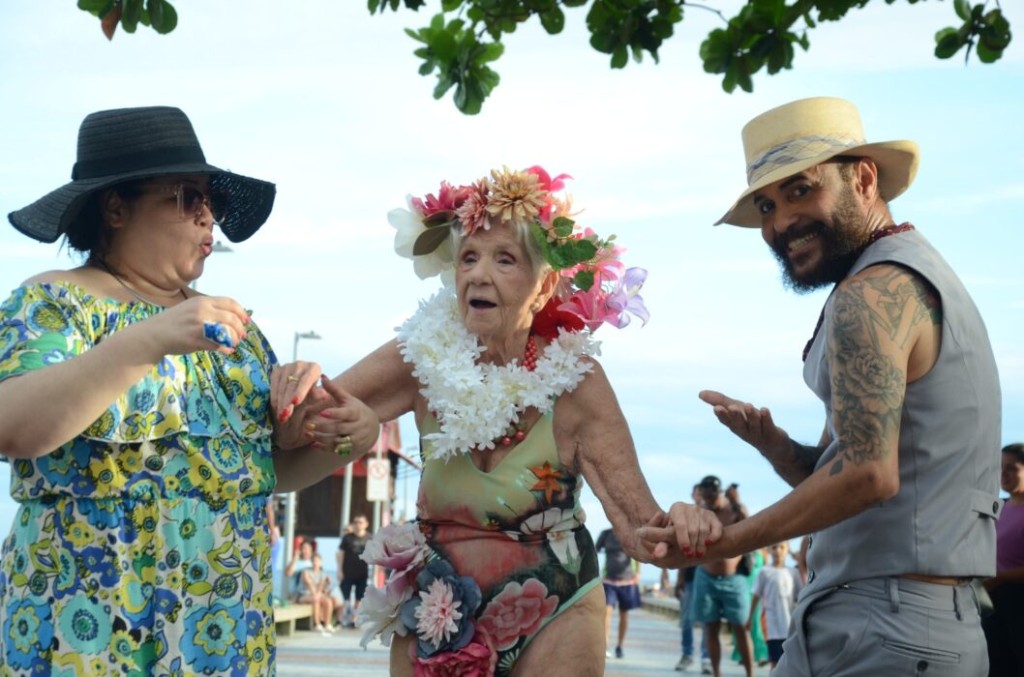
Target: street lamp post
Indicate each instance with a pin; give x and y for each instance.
(289, 499)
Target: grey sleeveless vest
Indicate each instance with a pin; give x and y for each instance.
(942, 520)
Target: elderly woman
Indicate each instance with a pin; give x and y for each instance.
(135, 413)
(499, 573)
(1004, 627)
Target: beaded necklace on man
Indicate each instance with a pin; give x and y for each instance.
(875, 236)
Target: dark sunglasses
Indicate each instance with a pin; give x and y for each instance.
(191, 201)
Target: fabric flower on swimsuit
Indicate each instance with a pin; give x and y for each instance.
(476, 659)
(442, 613)
(555, 525)
(397, 547)
(402, 549)
(599, 289)
(518, 610)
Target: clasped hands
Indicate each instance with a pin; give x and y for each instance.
(310, 410)
(685, 536)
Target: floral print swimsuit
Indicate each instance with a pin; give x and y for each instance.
(139, 547)
(518, 531)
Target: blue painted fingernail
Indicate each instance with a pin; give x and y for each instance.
(218, 333)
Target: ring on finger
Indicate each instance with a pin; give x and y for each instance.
(344, 445)
(292, 377)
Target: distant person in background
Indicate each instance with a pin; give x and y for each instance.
(314, 589)
(720, 590)
(302, 559)
(758, 647)
(621, 582)
(684, 593)
(1004, 628)
(353, 572)
(774, 595)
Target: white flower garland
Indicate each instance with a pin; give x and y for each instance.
(475, 403)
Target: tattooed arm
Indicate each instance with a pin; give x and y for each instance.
(885, 331)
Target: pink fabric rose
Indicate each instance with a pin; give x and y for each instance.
(516, 611)
(397, 547)
(476, 659)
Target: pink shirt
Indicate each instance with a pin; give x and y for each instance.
(1010, 538)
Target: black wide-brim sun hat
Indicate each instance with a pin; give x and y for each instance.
(128, 144)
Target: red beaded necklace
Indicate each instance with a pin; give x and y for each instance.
(875, 235)
(516, 432)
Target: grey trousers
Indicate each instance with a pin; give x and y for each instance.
(886, 627)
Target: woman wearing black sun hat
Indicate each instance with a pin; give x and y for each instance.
(136, 416)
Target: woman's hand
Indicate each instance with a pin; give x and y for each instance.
(200, 323)
(346, 425)
(293, 389)
(680, 536)
(292, 385)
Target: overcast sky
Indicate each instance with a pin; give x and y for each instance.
(325, 100)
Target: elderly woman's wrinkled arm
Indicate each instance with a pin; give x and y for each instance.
(591, 418)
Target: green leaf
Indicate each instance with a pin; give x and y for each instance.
(130, 14)
(155, 10)
(553, 21)
(987, 54)
(96, 7)
(963, 9)
(168, 20)
(620, 57)
(584, 279)
(947, 43)
(444, 217)
(430, 239)
(563, 226)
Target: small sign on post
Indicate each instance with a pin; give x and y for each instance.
(378, 472)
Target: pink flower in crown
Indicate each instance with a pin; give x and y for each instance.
(550, 186)
(473, 211)
(516, 611)
(476, 659)
(448, 199)
(606, 264)
(398, 547)
(588, 306)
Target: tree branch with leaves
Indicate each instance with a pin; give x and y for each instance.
(464, 39)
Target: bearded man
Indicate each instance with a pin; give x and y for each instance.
(900, 494)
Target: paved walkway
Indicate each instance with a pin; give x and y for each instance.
(652, 648)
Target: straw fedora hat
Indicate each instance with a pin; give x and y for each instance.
(128, 144)
(798, 135)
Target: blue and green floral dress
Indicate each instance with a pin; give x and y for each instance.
(139, 547)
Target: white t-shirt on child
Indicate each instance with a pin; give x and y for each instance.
(777, 589)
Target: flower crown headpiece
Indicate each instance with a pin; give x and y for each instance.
(599, 287)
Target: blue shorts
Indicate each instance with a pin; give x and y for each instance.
(718, 597)
(775, 650)
(625, 597)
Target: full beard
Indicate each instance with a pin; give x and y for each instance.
(841, 244)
